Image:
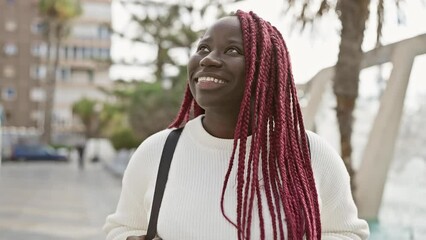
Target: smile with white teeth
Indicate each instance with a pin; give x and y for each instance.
(210, 79)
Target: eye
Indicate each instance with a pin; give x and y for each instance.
(233, 50)
(203, 49)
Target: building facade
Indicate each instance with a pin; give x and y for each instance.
(83, 66)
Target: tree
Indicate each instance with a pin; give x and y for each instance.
(56, 15)
(153, 108)
(353, 15)
(86, 110)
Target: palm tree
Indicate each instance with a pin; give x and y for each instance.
(56, 15)
(86, 110)
(353, 15)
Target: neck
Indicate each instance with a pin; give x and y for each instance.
(220, 125)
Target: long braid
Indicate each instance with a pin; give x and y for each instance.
(185, 109)
(268, 167)
(279, 190)
(305, 165)
(299, 197)
(278, 152)
(260, 119)
(243, 123)
(268, 172)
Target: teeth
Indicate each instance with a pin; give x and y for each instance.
(210, 79)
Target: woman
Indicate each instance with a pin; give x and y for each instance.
(243, 167)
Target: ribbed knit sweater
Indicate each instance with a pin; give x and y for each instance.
(190, 208)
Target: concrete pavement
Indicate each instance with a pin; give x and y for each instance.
(48, 200)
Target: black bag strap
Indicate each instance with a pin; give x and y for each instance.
(160, 184)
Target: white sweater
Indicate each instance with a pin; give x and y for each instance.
(190, 208)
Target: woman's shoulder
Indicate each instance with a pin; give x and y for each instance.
(320, 148)
(325, 159)
(156, 138)
(153, 142)
(144, 161)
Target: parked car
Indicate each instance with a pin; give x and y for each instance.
(36, 152)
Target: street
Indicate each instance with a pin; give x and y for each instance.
(49, 200)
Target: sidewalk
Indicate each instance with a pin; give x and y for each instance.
(55, 201)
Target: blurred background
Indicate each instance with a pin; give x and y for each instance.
(82, 83)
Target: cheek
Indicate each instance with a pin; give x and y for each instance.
(192, 88)
(243, 77)
(192, 66)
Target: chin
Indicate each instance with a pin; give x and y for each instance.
(208, 103)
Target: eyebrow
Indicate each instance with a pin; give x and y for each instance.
(231, 41)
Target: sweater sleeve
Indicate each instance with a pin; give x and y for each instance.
(131, 216)
(339, 214)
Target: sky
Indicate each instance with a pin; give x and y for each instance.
(310, 50)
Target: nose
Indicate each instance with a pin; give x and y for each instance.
(211, 60)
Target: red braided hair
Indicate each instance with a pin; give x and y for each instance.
(279, 147)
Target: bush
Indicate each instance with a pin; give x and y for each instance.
(124, 138)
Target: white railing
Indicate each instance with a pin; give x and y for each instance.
(378, 153)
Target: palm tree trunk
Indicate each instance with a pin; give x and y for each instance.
(353, 15)
(159, 63)
(54, 40)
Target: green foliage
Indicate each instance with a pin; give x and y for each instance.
(112, 117)
(59, 146)
(60, 10)
(85, 110)
(94, 115)
(153, 108)
(124, 138)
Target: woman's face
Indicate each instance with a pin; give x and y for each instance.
(216, 70)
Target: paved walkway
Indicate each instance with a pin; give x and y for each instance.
(48, 200)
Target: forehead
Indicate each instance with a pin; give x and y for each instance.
(225, 27)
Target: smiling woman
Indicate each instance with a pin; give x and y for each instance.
(216, 74)
(243, 167)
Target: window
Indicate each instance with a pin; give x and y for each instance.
(37, 115)
(9, 71)
(37, 95)
(62, 52)
(63, 74)
(38, 72)
(96, 53)
(87, 53)
(10, 26)
(39, 49)
(69, 52)
(105, 54)
(85, 31)
(8, 94)
(38, 27)
(78, 53)
(10, 49)
(103, 32)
